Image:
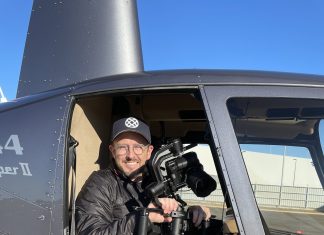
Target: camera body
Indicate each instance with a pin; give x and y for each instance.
(167, 173)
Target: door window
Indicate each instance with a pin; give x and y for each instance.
(279, 142)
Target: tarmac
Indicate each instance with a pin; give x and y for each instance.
(295, 221)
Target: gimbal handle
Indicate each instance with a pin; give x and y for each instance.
(143, 219)
(177, 219)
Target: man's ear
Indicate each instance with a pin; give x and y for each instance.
(150, 150)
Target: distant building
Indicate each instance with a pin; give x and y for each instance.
(269, 169)
(2, 97)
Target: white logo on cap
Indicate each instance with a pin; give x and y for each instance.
(131, 122)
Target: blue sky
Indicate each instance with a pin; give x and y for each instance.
(271, 35)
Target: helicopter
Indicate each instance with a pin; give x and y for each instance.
(87, 71)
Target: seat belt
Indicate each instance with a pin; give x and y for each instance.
(72, 162)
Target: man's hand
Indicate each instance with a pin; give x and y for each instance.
(168, 205)
(199, 213)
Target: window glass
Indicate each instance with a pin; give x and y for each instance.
(275, 137)
(287, 168)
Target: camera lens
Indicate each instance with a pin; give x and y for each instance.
(200, 182)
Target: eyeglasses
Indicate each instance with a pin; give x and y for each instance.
(123, 149)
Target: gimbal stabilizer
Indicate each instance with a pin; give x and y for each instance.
(167, 171)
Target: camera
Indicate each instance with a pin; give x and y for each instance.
(180, 169)
(171, 168)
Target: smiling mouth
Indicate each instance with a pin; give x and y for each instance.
(131, 163)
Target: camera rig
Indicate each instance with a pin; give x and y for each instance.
(166, 172)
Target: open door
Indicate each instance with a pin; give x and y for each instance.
(176, 113)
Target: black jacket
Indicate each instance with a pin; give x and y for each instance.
(106, 202)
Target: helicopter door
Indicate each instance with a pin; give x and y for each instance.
(252, 122)
(237, 181)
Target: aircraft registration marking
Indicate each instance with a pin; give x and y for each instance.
(23, 170)
(12, 144)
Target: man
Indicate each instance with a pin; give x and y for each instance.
(107, 201)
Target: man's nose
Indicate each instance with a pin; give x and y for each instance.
(130, 153)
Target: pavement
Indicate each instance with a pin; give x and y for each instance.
(294, 220)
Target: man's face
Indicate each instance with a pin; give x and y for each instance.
(130, 151)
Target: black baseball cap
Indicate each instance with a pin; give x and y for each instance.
(130, 124)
